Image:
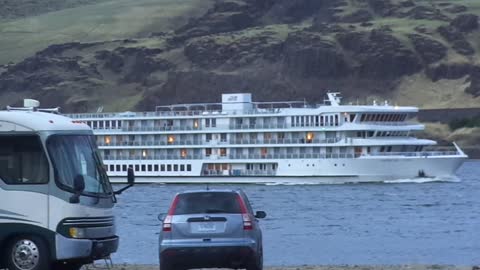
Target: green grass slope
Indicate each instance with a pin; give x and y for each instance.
(102, 21)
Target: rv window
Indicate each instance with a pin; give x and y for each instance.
(22, 160)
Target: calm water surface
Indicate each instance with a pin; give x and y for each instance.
(422, 223)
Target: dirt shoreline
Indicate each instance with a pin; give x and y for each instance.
(332, 267)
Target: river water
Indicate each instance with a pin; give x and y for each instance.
(412, 221)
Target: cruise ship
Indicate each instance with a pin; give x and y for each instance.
(241, 141)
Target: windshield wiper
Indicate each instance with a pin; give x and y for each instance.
(103, 176)
(213, 211)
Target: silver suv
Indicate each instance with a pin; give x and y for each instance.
(211, 229)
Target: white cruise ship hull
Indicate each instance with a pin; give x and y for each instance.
(324, 171)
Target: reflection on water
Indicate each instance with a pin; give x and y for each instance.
(388, 223)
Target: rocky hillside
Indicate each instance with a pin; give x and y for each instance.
(422, 52)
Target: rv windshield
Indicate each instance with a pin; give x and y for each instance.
(74, 155)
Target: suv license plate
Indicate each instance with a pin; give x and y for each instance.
(206, 227)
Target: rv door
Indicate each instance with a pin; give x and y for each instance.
(24, 177)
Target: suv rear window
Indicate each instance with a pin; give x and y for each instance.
(207, 203)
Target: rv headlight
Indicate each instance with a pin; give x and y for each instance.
(76, 232)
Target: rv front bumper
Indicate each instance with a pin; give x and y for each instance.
(84, 249)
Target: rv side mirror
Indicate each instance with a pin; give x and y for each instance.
(78, 187)
(130, 181)
(131, 176)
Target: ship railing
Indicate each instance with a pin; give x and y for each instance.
(286, 141)
(379, 123)
(154, 157)
(150, 143)
(238, 173)
(290, 156)
(234, 156)
(170, 113)
(415, 154)
(258, 126)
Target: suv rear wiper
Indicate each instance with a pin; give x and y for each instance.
(213, 211)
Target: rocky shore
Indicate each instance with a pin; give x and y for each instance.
(339, 267)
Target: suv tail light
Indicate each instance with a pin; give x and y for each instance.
(247, 220)
(167, 223)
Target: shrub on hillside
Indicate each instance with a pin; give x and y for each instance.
(464, 122)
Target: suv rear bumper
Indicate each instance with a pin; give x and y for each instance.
(212, 256)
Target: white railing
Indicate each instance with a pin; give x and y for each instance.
(169, 114)
(285, 141)
(403, 123)
(238, 173)
(150, 143)
(415, 154)
(231, 156)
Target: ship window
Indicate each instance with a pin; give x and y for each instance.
(223, 152)
(171, 139)
(144, 168)
(317, 118)
(100, 124)
(189, 167)
(183, 153)
(112, 168)
(124, 168)
(264, 151)
(352, 117)
(169, 167)
(137, 168)
(362, 118)
(207, 122)
(119, 124)
(322, 121)
(149, 167)
(214, 122)
(182, 167)
(94, 124)
(223, 137)
(107, 124)
(195, 123)
(389, 149)
(118, 169)
(208, 152)
(382, 149)
(292, 119)
(208, 137)
(336, 120)
(155, 167)
(162, 167)
(175, 167)
(114, 124)
(370, 133)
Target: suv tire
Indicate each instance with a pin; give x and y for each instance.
(256, 263)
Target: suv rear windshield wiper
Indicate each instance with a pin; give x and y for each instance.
(213, 211)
